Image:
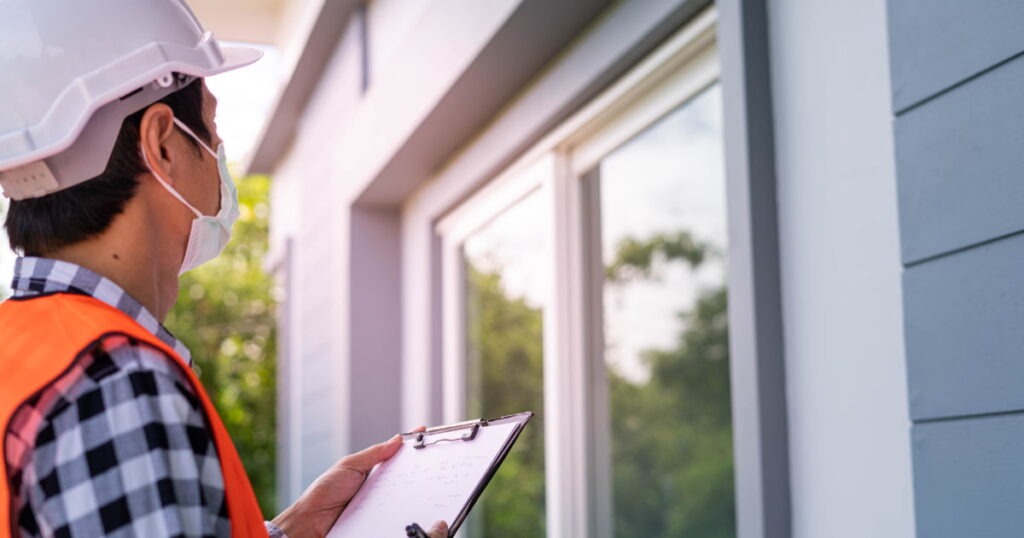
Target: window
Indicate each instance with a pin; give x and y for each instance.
(497, 292)
(662, 239)
(504, 302)
(587, 282)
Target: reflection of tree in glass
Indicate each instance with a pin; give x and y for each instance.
(225, 315)
(505, 360)
(672, 436)
(638, 259)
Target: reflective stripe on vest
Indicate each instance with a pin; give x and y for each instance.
(41, 337)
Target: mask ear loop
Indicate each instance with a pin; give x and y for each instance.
(185, 128)
(215, 154)
(166, 186)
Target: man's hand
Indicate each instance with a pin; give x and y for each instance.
(318, 508)
(439, 530)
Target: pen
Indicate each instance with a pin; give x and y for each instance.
(415, 531)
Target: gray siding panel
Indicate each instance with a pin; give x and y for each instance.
(938, 43)
(957, 85)
(964, 317)
(959, 161)
(969, 477)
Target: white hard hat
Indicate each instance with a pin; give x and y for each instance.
(71, 71)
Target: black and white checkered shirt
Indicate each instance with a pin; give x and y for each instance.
(118, 445)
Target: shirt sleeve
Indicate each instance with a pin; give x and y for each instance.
(273, 531)
(130, 454)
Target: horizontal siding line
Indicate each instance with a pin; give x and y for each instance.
(956, 85)
(955, 418)
(926, 259)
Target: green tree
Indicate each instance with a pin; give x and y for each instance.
(506, 354)
(640, 258)
(672, 435)
(226, 316)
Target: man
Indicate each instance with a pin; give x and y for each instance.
(110, 154)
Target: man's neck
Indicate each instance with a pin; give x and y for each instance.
(131, 260)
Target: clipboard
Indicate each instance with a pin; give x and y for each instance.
(438, 474)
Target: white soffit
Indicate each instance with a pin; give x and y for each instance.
(250, 21)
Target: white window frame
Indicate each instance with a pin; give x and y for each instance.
(512, 186)
(577, 462)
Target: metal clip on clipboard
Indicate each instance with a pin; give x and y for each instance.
(462, 431)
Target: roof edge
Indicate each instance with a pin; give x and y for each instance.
(293, 96)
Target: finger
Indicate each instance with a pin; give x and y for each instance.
(366, 459)
(439, 530)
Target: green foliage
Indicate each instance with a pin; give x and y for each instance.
(225, 315)
(635, 258)
(505, 351)
(672, 436)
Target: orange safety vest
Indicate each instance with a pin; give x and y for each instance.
(41, 337)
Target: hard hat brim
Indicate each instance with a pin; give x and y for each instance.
(235, 57)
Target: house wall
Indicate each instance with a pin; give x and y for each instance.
(957, 71)
(326, 248)
(849, 438)
(389, 23)
(839, 247)
(306, 215)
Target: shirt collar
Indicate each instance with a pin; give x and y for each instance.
(35, 276)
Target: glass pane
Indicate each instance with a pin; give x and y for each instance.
(504, 349)
(663, 239)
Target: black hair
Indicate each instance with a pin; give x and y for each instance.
(40, 226)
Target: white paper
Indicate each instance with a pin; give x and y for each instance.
(422, 485)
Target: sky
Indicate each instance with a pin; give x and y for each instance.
(244, 99)
(669, 178)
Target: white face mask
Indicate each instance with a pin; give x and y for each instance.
(209, 235)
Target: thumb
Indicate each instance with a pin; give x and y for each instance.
(439, 530)
(367, 458)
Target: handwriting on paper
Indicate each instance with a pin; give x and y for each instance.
(421, 485)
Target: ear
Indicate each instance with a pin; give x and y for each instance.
(156, 140)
